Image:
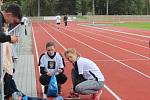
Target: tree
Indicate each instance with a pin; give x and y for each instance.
(126, 7)
(86, 6)
(73, 7)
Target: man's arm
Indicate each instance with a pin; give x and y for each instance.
(4, 38)
(8, 38)
(41, 64)
(42, 70)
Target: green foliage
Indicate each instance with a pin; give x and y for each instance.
(127, 7)
(48, 8)
(86, 6)
(73, 7)
(6, 3)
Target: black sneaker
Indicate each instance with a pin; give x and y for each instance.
(73, 96)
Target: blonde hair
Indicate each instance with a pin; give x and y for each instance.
(72, 51)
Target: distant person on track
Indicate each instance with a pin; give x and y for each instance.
(66, 20)
(24, 21)
(51, 63)
(58, 21)
(86, 76)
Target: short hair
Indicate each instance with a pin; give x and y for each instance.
(15, 10)
(49, 44)
(72, 51)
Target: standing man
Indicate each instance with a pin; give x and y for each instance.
(58, 21)
(25, 22)
(65, 20)
(11, 15)
(51, 63)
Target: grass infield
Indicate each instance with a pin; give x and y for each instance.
(145, 26)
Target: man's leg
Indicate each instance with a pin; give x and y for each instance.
(89, 87)
(61, 79)
(7, 85)
(44, 80)
(75, 78)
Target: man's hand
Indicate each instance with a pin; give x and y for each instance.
(60, 70)
(49, 73)
(14, 39)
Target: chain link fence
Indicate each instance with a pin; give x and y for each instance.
(19, 31)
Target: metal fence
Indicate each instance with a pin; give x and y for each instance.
(113, 18)
(99, 18)
(1, 73)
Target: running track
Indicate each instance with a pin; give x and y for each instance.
(122, 55)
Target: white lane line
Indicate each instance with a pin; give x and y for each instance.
(122, 60)
(131, 38)
(145, 36)
(115, 39)
(107, 88)
(37, 56)
(36, 50)
(111, 45)
(96, 60)
(147, 76)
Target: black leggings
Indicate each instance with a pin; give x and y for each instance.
(9, 85)
(61, 79)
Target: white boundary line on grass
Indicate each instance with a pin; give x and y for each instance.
(107, 88)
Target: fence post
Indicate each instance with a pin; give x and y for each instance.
(1, 74)
(1, 68)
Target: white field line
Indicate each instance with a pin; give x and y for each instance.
(37, 56)
(145, 36)
(111, 45)
(96, 60)
(147, 76)
(115, 39)
(107, 88)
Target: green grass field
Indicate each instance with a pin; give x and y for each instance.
(145, 26)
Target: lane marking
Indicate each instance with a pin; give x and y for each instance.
(131, 38)
(112, 45)
(101, 60)
(37, 56)
(147, 76)
(107, 88)
(145, 36)
(114, 39)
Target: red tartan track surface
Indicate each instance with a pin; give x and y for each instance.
(122, 54)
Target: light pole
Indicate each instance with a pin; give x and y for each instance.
(1, 67)
(107, 7)
(93, 7)
(148, 8)
(38, 8)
